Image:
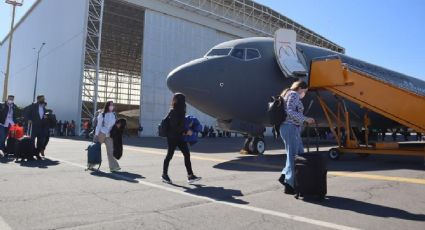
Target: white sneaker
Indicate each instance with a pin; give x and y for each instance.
(115, 169)
(192, 179)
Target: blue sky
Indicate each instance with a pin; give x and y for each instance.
(389, 33)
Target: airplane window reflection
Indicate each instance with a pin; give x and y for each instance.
(238, 53)
(252, 54)
(219, 52)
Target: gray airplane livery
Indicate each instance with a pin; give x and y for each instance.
(235, 80)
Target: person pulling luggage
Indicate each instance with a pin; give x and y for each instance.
(34, 114)
(105, 122)
(290, 131)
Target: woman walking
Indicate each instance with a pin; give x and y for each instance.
(291, 129)
(105, 122)
(176, 130)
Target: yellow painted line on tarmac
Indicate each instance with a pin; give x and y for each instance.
(261, 165)
(378, 177)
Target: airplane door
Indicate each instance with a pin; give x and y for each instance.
(286, 53)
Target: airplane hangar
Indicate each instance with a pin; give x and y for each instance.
(127, 47)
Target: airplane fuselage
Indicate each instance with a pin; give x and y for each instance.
(235, 80)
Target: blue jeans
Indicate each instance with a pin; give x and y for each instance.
(291, 136)
(3, 135)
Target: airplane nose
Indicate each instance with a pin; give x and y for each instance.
(197, 80)
(175, 80)
(188, 79)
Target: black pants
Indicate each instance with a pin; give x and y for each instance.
(39, 134)
(184, 148)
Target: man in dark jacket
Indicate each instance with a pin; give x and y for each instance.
(34, 114)
(8, 115)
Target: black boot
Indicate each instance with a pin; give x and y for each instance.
(282, 179)
(289, 189)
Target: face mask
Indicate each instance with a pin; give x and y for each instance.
(9, 102)
(111, 108)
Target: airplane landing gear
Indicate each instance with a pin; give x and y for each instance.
(254, 146)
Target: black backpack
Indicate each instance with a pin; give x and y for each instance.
(51, 118)
(164, 127)
(276, 110)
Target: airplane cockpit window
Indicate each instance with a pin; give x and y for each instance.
(238, 53)
(252, 54)
(219, 52)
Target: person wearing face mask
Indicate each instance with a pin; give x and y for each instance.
(8, 116)
(290, 130)
(34, 115)
(105, 122)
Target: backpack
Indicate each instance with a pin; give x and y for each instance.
(51, 119)
(94, 121)
(164, 126)
(276, 110)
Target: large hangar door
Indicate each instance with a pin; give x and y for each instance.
(120, 62)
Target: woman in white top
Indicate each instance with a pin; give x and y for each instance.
(105, 122)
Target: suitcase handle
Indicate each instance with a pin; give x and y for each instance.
(308, 138)
(29, 129)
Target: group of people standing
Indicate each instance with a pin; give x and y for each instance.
(65, 128)
(36, 118)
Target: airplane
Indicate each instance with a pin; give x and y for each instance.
(235, 80)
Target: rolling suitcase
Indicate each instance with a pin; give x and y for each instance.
(310, 176)
(24, 147)
(94, 155)
(10, 146)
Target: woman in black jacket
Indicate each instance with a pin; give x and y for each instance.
(175, 133)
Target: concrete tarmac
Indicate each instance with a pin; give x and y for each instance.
(236, 192)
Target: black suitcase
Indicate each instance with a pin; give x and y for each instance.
(10, 146)
(94, 155)
(24, 147)
(310, 176)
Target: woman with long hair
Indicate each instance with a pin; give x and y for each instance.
(105, 122)
(176, 131)
(290, 130)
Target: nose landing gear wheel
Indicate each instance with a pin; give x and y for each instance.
(257, 146)
(334, 154)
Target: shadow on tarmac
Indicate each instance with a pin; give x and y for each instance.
(216, 193)
(120, 176)
(6, 159)
(262, 163)
(43, 164)
(348, 162)
(369, 209)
